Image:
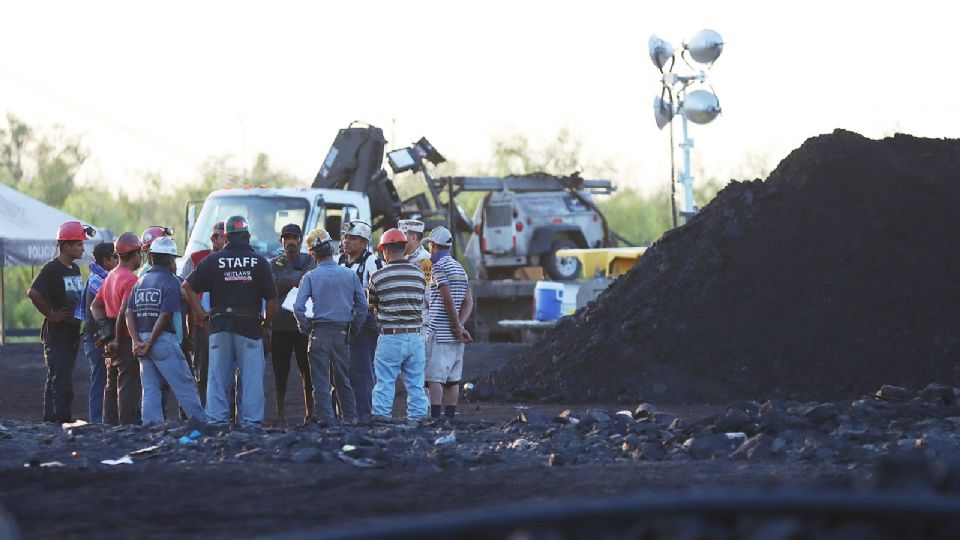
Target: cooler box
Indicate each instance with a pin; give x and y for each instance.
(547, 301)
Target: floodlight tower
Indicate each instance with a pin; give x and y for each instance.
(698, 106)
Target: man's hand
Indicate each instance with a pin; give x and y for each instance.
(57, 315)
(141, 348)
(461, 333)
(265, 332)
(111, 348)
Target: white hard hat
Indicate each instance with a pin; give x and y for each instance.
(164, 244)
(359, 228)
(410, 225)
(317, 237)
(441, 236)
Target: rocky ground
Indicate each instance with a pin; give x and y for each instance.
(189, 481)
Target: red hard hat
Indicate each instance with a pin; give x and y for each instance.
(74, 230)
(126, 243)
(152, 233)
(392, 236)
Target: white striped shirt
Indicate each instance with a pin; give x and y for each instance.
(446, 271)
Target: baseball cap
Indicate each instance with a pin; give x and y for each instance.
(236, 224)
(441, 236)
(291, 228)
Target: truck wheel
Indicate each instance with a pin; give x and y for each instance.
(562, 268)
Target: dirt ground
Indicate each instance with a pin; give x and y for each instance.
(220, 500)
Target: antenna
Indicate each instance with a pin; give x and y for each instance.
(698, 106)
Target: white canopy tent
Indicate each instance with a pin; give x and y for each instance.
(28, 231)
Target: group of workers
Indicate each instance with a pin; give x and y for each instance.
(359, 320)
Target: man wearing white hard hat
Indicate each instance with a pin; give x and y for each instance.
(153, 306)
(419, 257)
(450, 307)
(355, 239)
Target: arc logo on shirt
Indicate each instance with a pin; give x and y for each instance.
(148, 297)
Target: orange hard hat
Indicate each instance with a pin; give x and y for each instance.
(74, 230)
(126, 243)
(392, 236)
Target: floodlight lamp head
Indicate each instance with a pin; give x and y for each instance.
(700, 107)
(428, 152)
(662, 111)
(705, 46)
(660, 51)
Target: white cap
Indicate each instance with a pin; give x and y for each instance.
(410, 225)
(359, 228)
(441, 236)
(164, 244)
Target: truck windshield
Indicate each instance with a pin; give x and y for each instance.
(266, 216)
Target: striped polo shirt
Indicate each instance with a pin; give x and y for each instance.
(446, 271)
(396, 291)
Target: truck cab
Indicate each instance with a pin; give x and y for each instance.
(516, 229)
(268, 209)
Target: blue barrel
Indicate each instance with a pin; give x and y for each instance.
(547, 301)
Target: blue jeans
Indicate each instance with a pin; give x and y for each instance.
(400, 354)
(362, 351)
(60, 355)
(166, 362)
(228, 352)
(98, 378)
(329, 352)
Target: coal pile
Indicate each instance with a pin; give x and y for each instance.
(851, 433)
(836, 275)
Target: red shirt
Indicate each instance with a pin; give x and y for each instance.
(115, 289)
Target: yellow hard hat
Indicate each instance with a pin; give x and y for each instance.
(317, 237)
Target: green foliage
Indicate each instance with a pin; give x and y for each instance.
(42, 164)
(639, 218)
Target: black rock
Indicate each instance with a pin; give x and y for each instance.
(823, 412)
(307, 455)
(938, 393)
(896, 393)
(732, 420)
(534, 418)
(596, 416)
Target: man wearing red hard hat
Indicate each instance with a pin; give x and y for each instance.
(55, 292)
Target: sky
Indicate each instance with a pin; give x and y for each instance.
(162, 87)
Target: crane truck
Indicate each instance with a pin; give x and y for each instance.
(521, 222)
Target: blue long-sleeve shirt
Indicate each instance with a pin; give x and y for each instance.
(337, 296)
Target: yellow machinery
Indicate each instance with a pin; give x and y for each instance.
(604, 262)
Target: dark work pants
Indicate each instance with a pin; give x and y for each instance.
(282, 343)
(60, 355)
(201, 360)
(122, 394)
(329, 355)
(362, 350)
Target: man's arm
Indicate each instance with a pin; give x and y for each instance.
(194, 302)
(40, 302)
(300, 305)
(466, 308)
(360, 306)
(456, 325)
